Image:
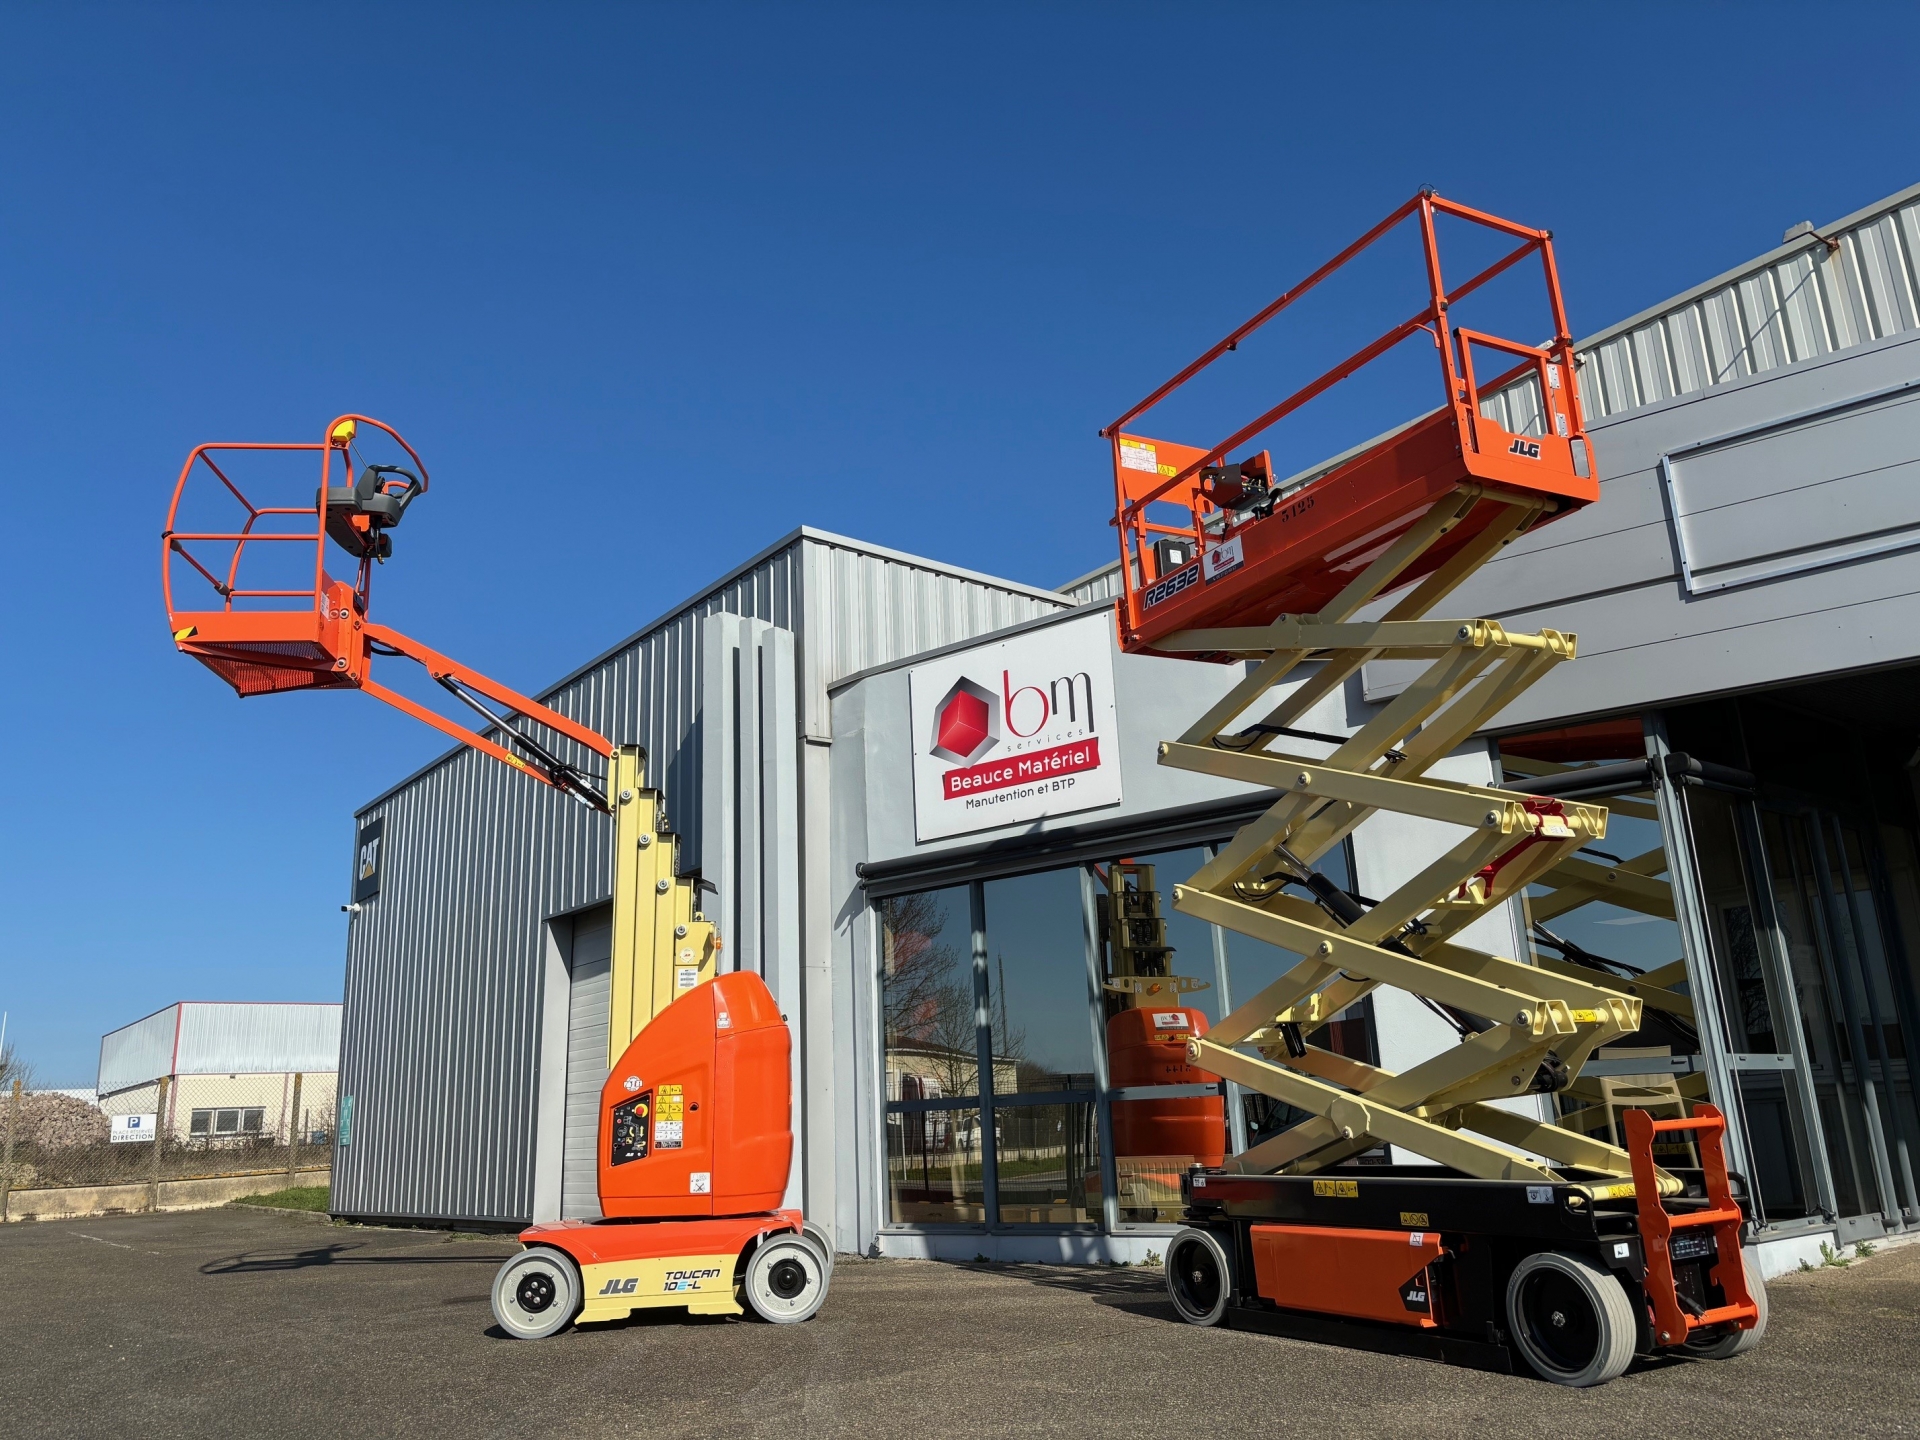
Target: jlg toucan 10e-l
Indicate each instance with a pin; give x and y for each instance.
(1523, 1236)
(695, 1126)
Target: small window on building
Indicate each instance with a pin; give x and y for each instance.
(234, 1121)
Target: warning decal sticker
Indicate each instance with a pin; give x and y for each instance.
(669, 1113)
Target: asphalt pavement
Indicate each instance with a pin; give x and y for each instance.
(243, 1322)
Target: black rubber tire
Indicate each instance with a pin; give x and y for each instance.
(536, 1293)
(1728, 1344)
(785, 1279)
(1199, 1276)
(1570, 1319)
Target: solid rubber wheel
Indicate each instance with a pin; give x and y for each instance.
(1199, 1276)
(1570, 1318)
(536, 1294)
(1726, 1344)
(813, 1232)
(786, 1280)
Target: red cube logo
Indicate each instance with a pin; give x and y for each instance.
(966, 722)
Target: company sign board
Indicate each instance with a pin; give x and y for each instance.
(1015, 731)
(367, 858)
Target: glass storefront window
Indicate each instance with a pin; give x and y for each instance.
(1038, 1160)
(927, 995)
(1048, 1163)
(934, 1169)
(1037, 984)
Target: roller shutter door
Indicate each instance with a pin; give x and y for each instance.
(587, 1001)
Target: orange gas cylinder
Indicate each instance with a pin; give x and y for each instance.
(696, 1119)
(1148, 1046)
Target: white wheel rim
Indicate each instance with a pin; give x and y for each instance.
(785, 1279)
(533, 1295)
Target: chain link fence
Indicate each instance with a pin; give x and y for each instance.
(178, 1142)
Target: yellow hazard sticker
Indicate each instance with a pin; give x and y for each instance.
(1613, 1192)
(1588, 1017)
(1338, 1189)
(1414, 1219)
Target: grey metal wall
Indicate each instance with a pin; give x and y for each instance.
(1822, 290)
(1761, 531)
(1101, 584)
(445, 969)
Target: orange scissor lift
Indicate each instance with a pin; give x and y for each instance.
(695, 1136)
(1521, 1235)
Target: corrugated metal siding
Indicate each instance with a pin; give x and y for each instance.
(444, 968)
(219, 1039)
(881, 607)
(1102, 584)
(138, 1053)
(1803, 300)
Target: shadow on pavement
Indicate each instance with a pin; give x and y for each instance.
(246, 1263)
(1136, 1291)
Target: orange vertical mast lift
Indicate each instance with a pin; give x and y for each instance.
(695, 1137)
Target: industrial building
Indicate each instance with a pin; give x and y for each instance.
(225, 1073)
(1748, 597)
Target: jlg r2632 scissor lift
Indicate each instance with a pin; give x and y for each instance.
(695, 1137)
(1523, 1235)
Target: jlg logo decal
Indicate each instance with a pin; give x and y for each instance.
(673, 1282)
(1525, 449)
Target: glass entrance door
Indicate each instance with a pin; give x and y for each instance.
(1833, 928)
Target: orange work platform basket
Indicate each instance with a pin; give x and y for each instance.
(298, 628)
(268, 623)
(1254, 546)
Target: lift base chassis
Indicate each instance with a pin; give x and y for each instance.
(1411, 1260)
(646, 1264)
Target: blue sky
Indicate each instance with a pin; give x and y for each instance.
(650, 286)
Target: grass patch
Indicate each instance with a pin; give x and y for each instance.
(300, 1197)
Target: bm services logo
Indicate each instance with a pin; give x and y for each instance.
(1014, 736)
